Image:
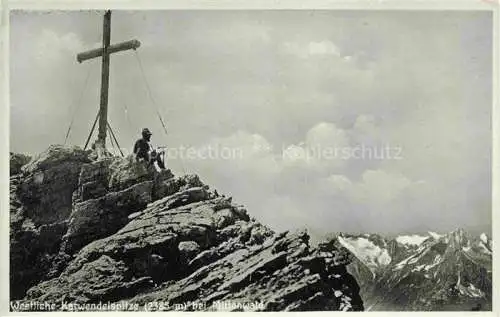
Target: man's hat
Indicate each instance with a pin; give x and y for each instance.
(146, 131)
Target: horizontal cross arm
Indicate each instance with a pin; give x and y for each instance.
(123, 46)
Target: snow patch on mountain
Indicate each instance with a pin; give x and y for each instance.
(473, 291)
(366, 251)
(435, 235)
(411, 240)
(427, 267)
(485, 249)
(484, 238)
(470, 290)
(436, 261)
(419, 268)
(411, 259)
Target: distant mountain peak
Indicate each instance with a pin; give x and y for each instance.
(438, 271)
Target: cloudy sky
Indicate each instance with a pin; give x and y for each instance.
(403, 97)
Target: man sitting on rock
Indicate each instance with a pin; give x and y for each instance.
(144, 150)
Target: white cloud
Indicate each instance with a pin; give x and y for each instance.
(380, 187)
(322, 48)
(364, 123)
(326, 135)
(348, 58)
(335, 184)
(252, 145)
(296, 155)
(52, 47)
(283, 185)
(253, 161)
(377, 188)
(283, 213)
(321, 149)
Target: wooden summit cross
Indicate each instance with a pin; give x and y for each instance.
(105, 51)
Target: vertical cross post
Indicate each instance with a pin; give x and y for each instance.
(103, 116)
(105, 51)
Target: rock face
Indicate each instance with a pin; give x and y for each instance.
(17, 161)
(121, 231)
(41, 201)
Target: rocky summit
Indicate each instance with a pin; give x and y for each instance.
(85, 231)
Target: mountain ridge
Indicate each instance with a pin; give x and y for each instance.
(86, 231)
(449, 271)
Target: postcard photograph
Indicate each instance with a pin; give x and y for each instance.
(250, 160)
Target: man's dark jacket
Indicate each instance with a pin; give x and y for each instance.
(141, 149)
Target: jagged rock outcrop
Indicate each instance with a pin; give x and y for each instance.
(17, 161)
(127, 232)
(41, 202)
